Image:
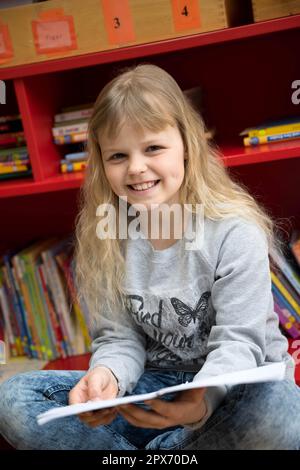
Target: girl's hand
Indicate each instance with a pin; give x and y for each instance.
(189, 407)
(98, 384)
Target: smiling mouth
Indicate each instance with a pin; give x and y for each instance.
(143, 190)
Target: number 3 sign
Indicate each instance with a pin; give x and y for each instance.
(118, 21)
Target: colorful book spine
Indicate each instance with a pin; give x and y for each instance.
(12, 168)
(19, 270)
(70, 129)
(10, 138)
(57, 332)
(267, 139)
(285, 303)
(76, 156)
(16, 327)
(286, 321)
(22, 307)
(70, 138)
(16, 309)
(279, 129)
(8, 326)
(73, 115)
(58, 300)
(286, 269)
(65, 265)
(286, 293)
(70, 167)
(15, 163)
(14, 158)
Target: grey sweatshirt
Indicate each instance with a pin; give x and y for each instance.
(208, 310)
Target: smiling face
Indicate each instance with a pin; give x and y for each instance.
(136, 158)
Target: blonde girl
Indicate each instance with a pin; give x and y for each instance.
(163, 313)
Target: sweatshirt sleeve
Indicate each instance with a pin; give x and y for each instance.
(119, 344)
(241, 297)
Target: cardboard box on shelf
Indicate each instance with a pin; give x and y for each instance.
(270, 9)
(62, 28)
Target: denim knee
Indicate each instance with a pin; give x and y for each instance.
(13, 421)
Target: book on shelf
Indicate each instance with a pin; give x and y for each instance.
(71, 167)
(14, 162)
(12, 139)
(70, 138)
(14, 167)
(284, 302)
(40, 318)
(74, 113)
(15, 154)
(15, 175)
(76, 156)
(287, 295)
(291, 124)
(286, 320)
(286, 291)
(267, 139)
(283, 263)
(70, 127)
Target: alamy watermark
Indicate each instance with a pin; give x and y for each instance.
(296, 94)
(2, 92)
(163, 221)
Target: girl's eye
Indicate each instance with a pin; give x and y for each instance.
(118, 155)
(153, 148)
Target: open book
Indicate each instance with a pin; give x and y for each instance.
(270, 372)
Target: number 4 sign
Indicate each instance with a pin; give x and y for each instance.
(186, 14)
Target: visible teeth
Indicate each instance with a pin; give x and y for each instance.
(143, 186)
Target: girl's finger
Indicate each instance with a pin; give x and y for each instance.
(139, 417)
(100, 422)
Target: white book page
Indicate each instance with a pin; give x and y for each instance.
(270, 372)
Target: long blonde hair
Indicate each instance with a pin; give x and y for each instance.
(148, 97)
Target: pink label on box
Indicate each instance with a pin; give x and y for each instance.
(54, 34)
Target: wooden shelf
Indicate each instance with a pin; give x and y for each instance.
(159, 47)
(237, 155)
(28, 186)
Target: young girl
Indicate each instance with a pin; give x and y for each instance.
(164, 312)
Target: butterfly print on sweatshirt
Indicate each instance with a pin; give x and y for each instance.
(186, 314)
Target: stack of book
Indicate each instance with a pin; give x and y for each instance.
(37, 308)
(285, 276)
(272, 131)
(14, 158)
(70, 128)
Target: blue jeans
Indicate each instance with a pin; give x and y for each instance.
(253, 416)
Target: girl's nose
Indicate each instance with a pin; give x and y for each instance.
(136, 165)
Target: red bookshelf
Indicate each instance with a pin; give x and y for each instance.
(245, 74)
